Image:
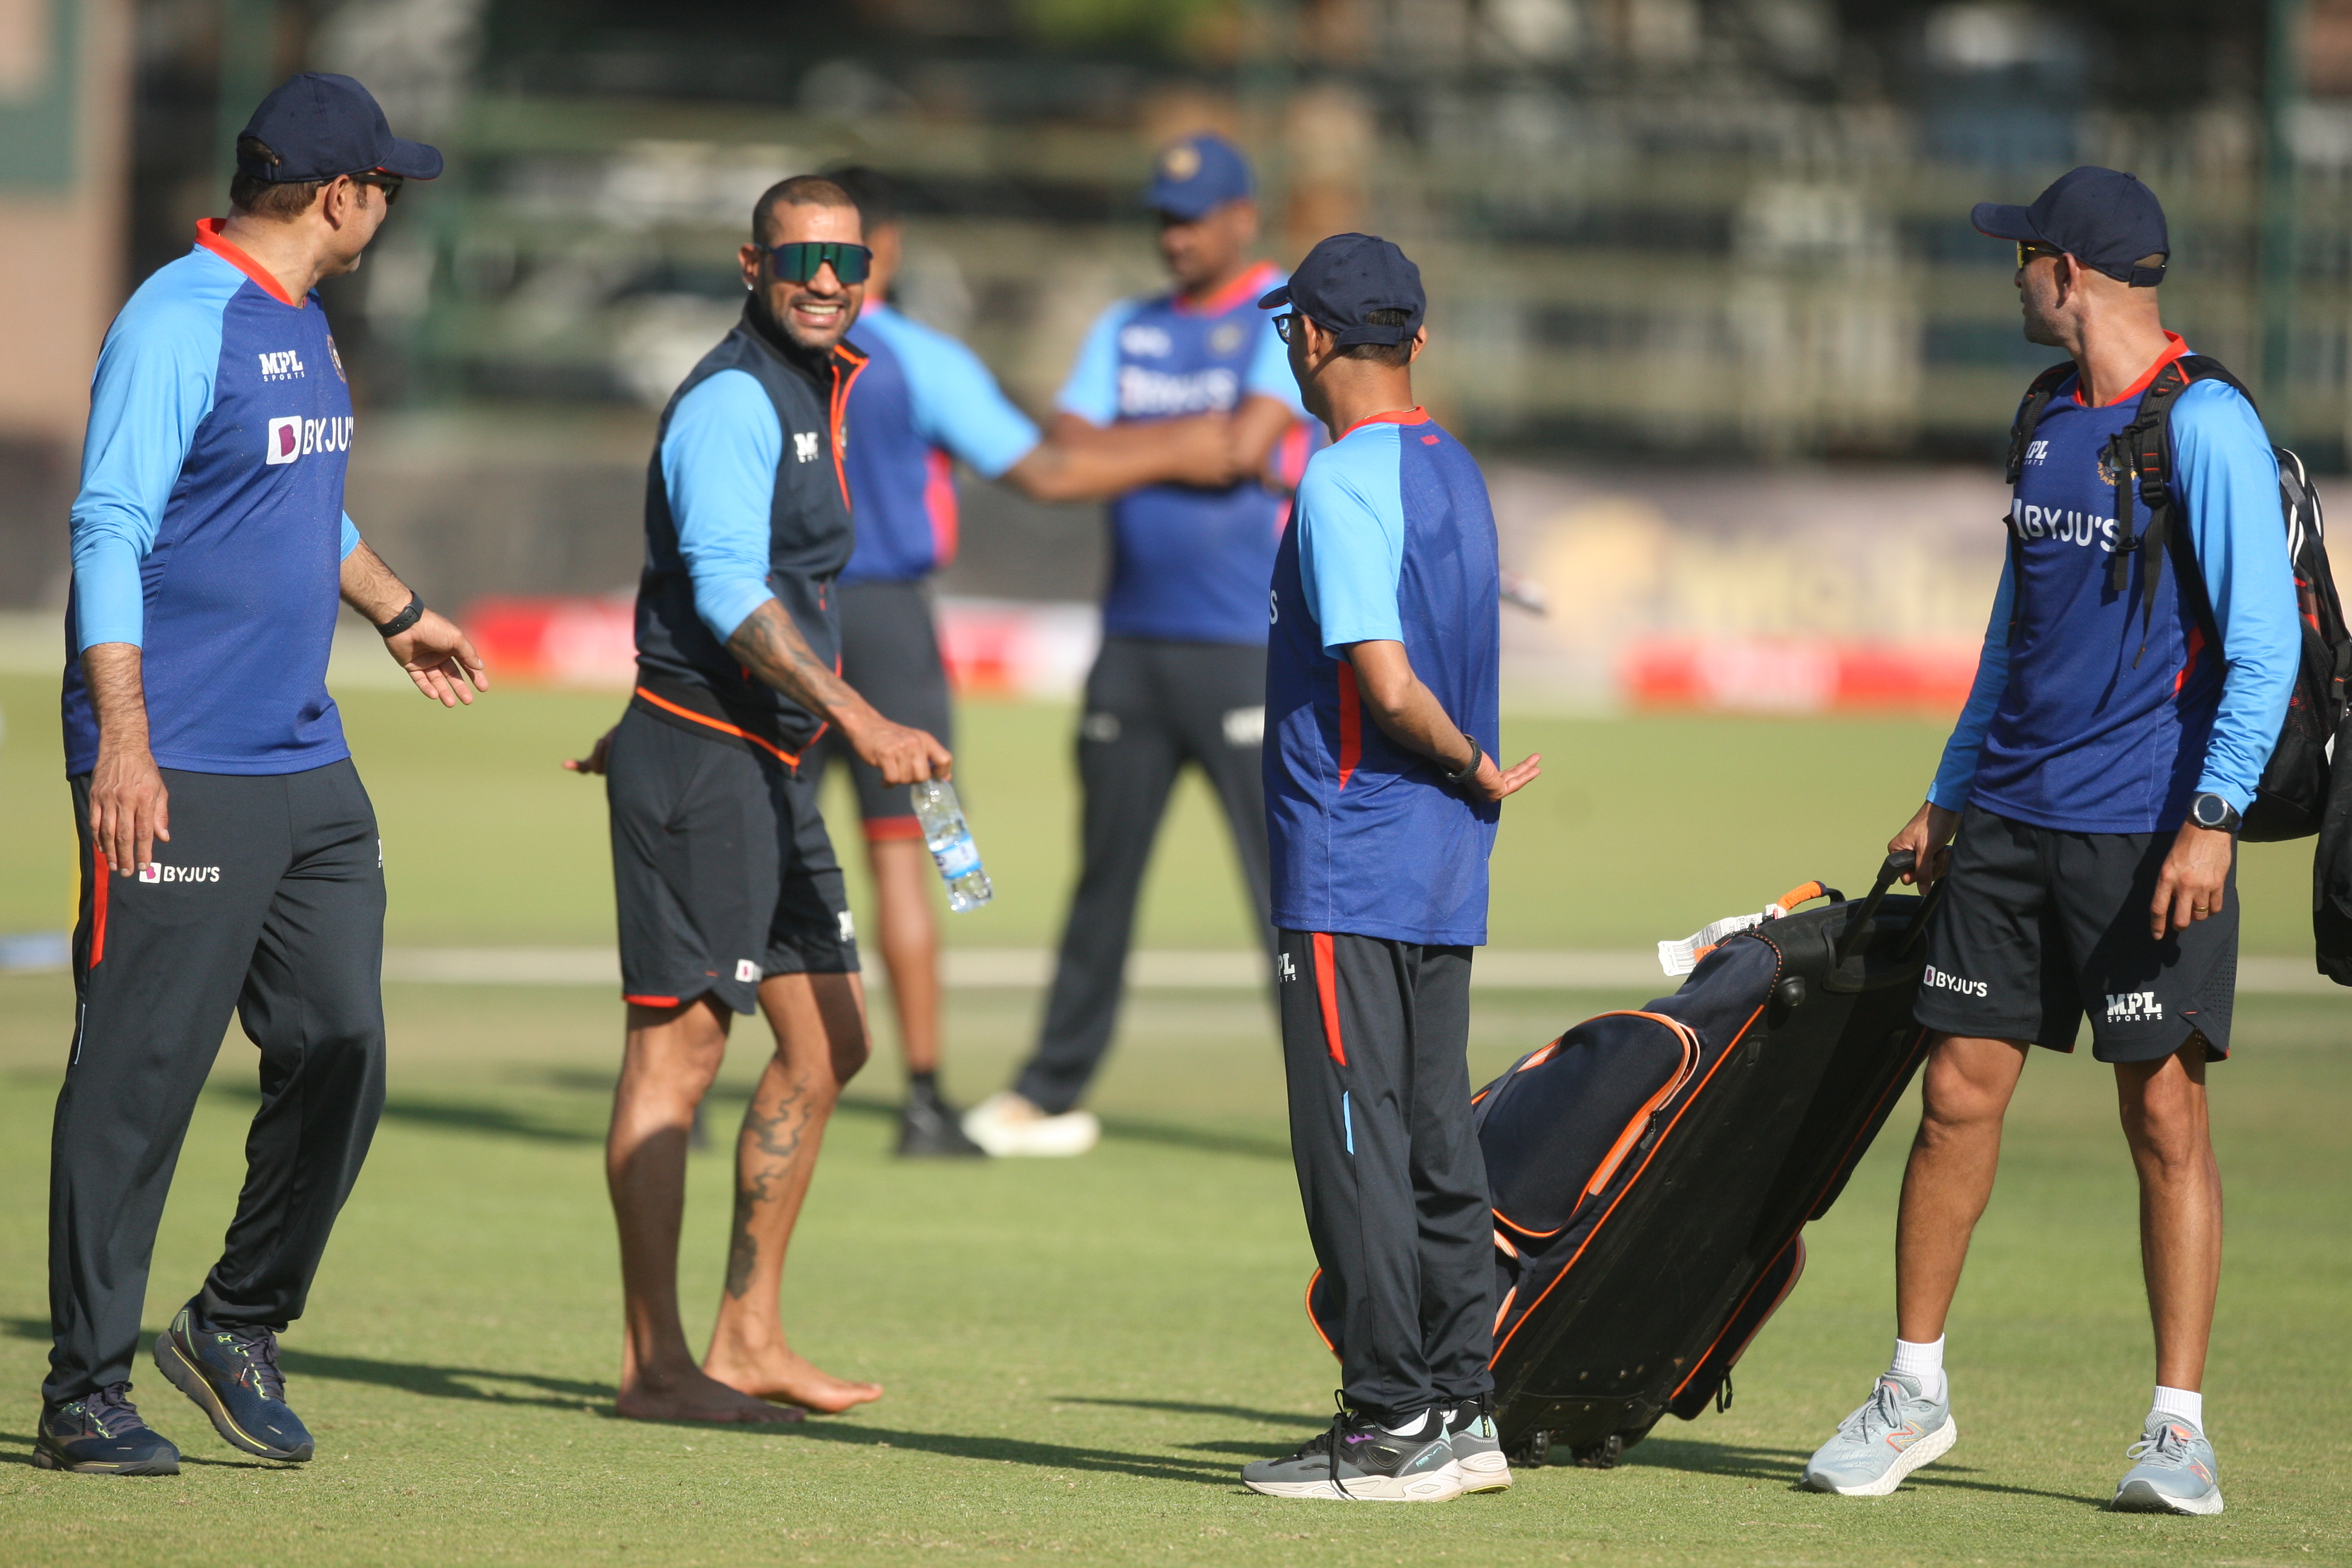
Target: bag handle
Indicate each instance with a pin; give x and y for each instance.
(1804, 892)
(1902, 860)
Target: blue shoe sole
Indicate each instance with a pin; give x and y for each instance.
(48, 1459)
(183, 1375)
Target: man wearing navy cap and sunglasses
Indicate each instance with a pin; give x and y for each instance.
(1382, 792)
(730, 896)
(229, 854)
(2134, 679)
(1180, 677)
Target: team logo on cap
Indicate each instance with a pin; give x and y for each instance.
(1181, 161)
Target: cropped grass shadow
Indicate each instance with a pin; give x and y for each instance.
(1200, 1140)
(1182, 1407)
(431, 1382)
(1785, 1465)
(15, 1455)
(1001, 1450)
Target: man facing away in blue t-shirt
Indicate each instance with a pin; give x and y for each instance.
(230, 861)
(1181, 672)
(2091, 795)
(1382, 794)
(924, 403)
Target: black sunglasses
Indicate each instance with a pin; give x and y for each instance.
(1282, 324)
(800, 262)
(390, 184)
(2029, 251)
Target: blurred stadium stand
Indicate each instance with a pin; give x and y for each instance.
(1675, 240)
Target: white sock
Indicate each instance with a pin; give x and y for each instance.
(1925, 1362)
(1416, 1427)
(2180, 1405)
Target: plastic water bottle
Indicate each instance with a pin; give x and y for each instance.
(950, 842)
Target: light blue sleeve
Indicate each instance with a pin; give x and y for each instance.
(719, 460)
(153, 387)
(1957, 771)
(1269, 371)
(958, 405)
(1092, 391)
(1351, 523)
(2226, 475)
(351, 538)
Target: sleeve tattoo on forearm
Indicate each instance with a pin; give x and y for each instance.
(772, 650)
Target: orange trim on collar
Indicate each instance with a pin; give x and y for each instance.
(2175, 349)
(1248, 286)
(208, 236)
(1416, 414)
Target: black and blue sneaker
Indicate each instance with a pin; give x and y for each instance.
(232, 1375)
(101, 1435)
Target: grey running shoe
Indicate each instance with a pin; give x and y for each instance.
(1896, 1430)
(1354, 1461)
(1477, 1449)
(2177, 1472)
(101, 1435)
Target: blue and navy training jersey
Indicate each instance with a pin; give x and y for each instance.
(2089, 718)
(209, 531)
(746, 499)
(1189, 564)
(1394, 540)
(922, 401)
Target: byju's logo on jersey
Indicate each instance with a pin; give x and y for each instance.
(283, 366)
(153, 872)
(294, 437)
(804, 446)
(2134, 1008)
(1143, 394)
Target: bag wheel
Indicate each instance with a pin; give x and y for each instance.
(1604, 1454)
(1530, 1451)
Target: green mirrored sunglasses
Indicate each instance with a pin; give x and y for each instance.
(800, 262)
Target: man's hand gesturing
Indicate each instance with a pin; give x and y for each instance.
(439, 659)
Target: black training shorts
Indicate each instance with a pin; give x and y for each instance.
(722, 868)
(890, 657)
(2038, 927)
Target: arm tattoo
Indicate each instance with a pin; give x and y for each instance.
(776, 1136)
(772, 650)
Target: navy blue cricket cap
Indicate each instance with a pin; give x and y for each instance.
(1347, 277)
(2104, 219)
(320, 126)
(1193, 177)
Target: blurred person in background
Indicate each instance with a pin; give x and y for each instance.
(729, 896)
(1181, 675)
(2091, 796)
(230, 860)
(923, 403)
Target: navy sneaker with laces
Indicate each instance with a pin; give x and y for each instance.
(101, 1435)
(232, 1375)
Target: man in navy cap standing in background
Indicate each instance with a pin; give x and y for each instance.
(1180, 677)
(1382, 792)
(2121, 718)
(229, 857)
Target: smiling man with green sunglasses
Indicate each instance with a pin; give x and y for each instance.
(799, 261)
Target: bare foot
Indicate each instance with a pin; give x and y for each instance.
(690, 1395)
(782, 1374)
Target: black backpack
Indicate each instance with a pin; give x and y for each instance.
(2293, 795)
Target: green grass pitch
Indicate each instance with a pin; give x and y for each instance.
(1079, 1356)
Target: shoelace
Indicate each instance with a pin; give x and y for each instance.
(2166, 1445)
(1885, 1403)
(259, 1349)
(111, 1410)
(1331, 1440)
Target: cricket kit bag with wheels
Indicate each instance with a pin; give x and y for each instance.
(1651, 1170)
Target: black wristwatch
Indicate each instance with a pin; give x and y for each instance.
(406, 620)
(2207, 809)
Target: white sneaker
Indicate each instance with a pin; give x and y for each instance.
(1007, 1123)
